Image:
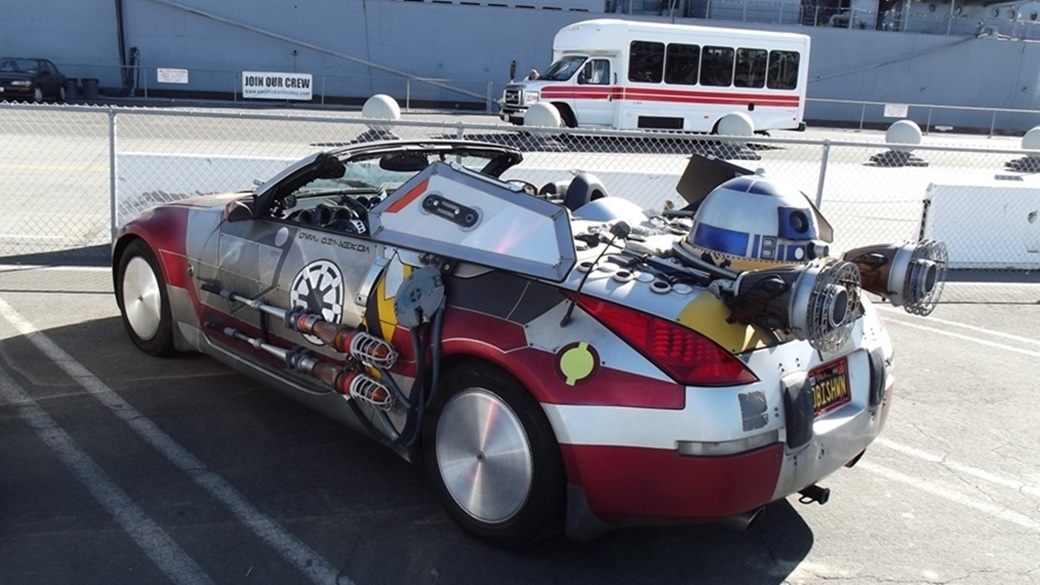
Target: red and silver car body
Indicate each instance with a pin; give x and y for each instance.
(544, 362)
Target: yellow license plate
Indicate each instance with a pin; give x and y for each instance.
(830, 386)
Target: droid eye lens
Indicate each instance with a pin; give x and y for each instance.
(799, 223)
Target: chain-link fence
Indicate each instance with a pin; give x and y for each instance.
(70, 175)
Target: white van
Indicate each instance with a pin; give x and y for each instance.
(628, 74)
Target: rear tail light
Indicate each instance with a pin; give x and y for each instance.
(690, 358)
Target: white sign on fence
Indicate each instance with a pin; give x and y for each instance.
(171, 75)
(896, 110)
(277, 86)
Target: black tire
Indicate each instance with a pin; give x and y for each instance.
(143, 302)
(520, 487)
(567, 115)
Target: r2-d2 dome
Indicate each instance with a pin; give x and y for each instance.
(750, 222)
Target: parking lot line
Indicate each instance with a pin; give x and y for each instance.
(987, 343)
(984, 330)
(153, 540)
(987, 508)
(988, 476)
(293, 550)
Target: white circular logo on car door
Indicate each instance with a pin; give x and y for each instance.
(318, 289)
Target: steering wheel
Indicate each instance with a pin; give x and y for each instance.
(359, 208)
(525, 186)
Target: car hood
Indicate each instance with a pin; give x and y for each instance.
(14, 76)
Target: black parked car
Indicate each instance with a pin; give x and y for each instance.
(33, 79)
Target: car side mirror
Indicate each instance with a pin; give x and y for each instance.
(582, 80)
(240, 209)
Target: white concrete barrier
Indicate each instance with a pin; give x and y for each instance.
(989, 225)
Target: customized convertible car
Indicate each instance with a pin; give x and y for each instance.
(555, 357)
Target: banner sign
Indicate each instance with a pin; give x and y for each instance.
(277, 86)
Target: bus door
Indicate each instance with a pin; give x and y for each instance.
(595, 101)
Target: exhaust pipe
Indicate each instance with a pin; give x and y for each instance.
(814, 493)
(742, 522)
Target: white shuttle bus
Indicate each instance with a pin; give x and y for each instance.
(628, 74)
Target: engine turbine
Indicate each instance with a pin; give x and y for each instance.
(909, 275)
(818, 302)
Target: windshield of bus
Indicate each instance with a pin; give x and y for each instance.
(563, 69)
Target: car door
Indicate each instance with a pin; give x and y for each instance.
(291, 265)
(45, 77)
(596, 88)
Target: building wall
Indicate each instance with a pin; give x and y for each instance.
(355, 48)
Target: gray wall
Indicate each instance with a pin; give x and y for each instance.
(78, 35)
(468, 47)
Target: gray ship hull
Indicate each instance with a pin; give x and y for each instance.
(454, 54)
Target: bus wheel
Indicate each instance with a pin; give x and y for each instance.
(567, 115)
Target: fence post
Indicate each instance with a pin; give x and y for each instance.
(112, 207)
(489, 90)
(407, 95)
(928, 124)
(823, 173)
(992, 124)
(862, 115)
(461, 131)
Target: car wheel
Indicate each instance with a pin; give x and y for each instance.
(142, 299)
(37, 94)
(492, 457)
(61, 94)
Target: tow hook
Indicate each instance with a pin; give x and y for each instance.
(814, 493)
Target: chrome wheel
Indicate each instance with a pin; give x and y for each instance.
(492, 456)
(38, 94)
(142, 298)
(484, 456)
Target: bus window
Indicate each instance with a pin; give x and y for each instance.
(717, 66)
(783, 70)
(645, 61)
(751, 68)
(681, 65)
(595, 72)
(563, 69)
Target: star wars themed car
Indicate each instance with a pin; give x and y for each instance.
(554, 360)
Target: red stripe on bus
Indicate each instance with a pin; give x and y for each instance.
(669, 95)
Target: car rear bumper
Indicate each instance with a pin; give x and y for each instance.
(619, 485)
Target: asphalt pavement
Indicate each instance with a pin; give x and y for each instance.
(122, 468)
(116, 467)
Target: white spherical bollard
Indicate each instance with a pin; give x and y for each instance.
(736, 124)
(1031, 141)
(381, 107)
(543, 115)
(903, 132)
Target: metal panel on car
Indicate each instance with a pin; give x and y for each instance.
(452, 211)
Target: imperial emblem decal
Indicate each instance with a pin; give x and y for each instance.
(318, 288)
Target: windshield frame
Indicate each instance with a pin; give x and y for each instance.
(564, 68)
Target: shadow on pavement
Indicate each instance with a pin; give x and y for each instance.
(86, 256)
